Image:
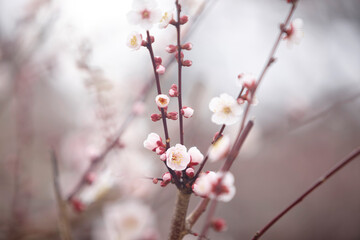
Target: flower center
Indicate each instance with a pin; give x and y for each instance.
(176, 158)
(145, 14)
(227, 110)
(164, 17)
(133, 41)
(162, 101)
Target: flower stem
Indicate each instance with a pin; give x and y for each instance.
(355, 153)
(157, 80)
(181, 124)
(178, 230)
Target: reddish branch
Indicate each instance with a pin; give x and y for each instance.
(177, 25)
(355, 153)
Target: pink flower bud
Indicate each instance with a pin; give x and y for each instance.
(90, 178)
(160, 150)
(160, 69)
(173, 92)
(155, 180)
(190, 172)
(77, 205)
(172, 115)
(187, 112)
(171, 48)
(219, 224)
(187, 46)
(158, 60)
(166, 177)
(163, 184)
(163, 157)
(144, 43)
(155, 117)
(184, 19)
(152, 39)
(187, 63)
(178, 174)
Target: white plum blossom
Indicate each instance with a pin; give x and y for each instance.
(162, 100)
(153, 141)
(247, 80)
(225, 110)
(187, 112)
(103, 183)
(134, 40)
(296, 32)
(203, 184)
(213, 185)
(219, 149)
(166, 18)
(196, 156)
(129, 220)
(145, 13)
(177, 157)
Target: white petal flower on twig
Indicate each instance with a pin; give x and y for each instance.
(177, 157)
(134, 41)
(196, 156)
(153, 141)
(219, 149)
(215, 186)
(225, 110)
(145, 13)
(162, 100)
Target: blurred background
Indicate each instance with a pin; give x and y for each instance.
(68, 82)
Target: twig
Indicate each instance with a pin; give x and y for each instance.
(163, 115)
(355, 153)
(270, 60)
(228, 163)
(179, 60)
(63, 224)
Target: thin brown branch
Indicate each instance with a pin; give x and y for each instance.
(270, 60)
(355, 153)
(63, 224)
(225, 168)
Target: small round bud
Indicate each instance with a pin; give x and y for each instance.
(172, 115)
(166, 177)
(219, 224)
(155, 117)
(152, 39)
(160, 69)
(158, 60)
(90, 177)
(187, 46)
(190, 172)
(163, 157)
(155, 180)
(77, 205)
(187, 63)
(173, 92)
(171, 48)
(187, 112)
(184, 19)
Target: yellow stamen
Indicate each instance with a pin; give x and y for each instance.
(227, 110)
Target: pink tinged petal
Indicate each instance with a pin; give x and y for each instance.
(196, 156)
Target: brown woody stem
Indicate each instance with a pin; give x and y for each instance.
(178, 230)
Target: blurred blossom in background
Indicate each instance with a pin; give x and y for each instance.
(67, 82)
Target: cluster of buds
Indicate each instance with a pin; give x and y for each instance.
(160, 69)
(162, 101)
